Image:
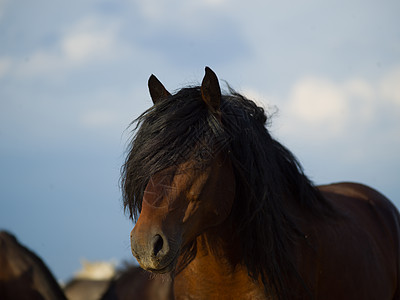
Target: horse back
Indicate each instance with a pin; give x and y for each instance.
(357, 253)
(365, 205)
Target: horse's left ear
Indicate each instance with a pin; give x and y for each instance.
(210, 91)
(157, 90)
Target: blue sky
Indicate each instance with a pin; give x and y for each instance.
(73, 75)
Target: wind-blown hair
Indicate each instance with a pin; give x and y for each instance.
(166, 135)
(267, 175)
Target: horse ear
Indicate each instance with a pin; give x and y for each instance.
(157, 90)
(210, 90)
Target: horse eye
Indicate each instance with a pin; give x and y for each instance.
(203, 154)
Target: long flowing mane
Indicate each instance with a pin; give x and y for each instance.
(267, 174)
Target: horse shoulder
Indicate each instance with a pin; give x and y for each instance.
(357, 249)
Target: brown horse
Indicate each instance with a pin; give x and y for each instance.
(23, 275)
(228, 212)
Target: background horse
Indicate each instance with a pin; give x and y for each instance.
(99, 280)
(91, 281)
(228, 212)
(134, 283)
(23, 275)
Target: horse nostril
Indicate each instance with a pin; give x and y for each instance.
(158, 244)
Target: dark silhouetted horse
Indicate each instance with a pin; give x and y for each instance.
(23, 275)
(228, 212)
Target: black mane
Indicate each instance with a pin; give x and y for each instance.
(267, 174)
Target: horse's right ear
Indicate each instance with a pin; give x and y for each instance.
(157, 90)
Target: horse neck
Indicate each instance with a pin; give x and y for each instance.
(216, 272)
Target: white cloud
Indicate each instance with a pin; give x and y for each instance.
(317, 101)
(92, 39)
(331, 109)
(356, 119)
(84, 46)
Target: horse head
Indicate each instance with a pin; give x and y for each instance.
(182, 201)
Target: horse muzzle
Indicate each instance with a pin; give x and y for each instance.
(153, 253)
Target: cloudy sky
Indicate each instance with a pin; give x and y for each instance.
(73, 75)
